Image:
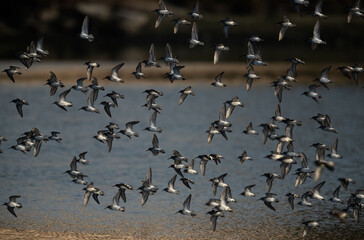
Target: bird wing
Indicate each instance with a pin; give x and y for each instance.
(115, 70)
(86, 198)
(11, 210)
(316, 30)
(172, 181)
(84, 28)
(187, 202)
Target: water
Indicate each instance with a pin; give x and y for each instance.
(53, 203)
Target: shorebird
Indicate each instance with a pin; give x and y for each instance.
(150, 62)
(269, 181)
(248, 191)
(115, 74)
(54, 136)
(297, 3)
(218, 49)
(316, 191)
(186, 207)
(79, 180)
(184, 93)
(156, 149)
(122, 187)
(96, 87)
(90, 189)
(187, 181)
(115, 203)
(19, 105)
(84, 31)
(244, 157)
(73, 172)
(147, 188)
(250, 76)
(153, 124)
(62, 102)
(291, 197)
(175, 74)
(170, 188)
(195, 14)
(190, 169)
(345, 182)
(318, 10)
(114, 96)
(355, 11)
(90, 105)
(107, 106)
(162, 11)
(308, 226)
(138, 71)
(105, 136)
(90, 68)
(82, 159)
(215, 213)
(223, 201)
(218, 82)
(13, 204)
(40, 49)
(194, 37)
(218, 182)
(327, 126)
(312, 92)
(334, 153)
(169, 59)
(80, 87)
(316, 39)
(304, 200)
(177, 156)
(234, 102)
(285, 24)
(324, 80)
(178, 22)
(11, 71)
(129, 132)
(249, 130)
(336, 197)
(53, 83)
(227, 22)
(269, 199)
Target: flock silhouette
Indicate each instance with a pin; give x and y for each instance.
(183, 167)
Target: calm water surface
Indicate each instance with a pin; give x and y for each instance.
(52, 202)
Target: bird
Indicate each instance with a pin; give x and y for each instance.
(169, 59)
(218, 82)
(215, 213)
(156, 149)
(95, 90)
(129, 132)
(186, 207)
(312, 93)
(291, 197)
(247, 191)
(62, 102)
(122, 187)
(13, 204)
(79, 86)
(105, 136)
(218, 182)
(11, 71)
(151, 60)
(318, 10)
(234, 102)
(356, 69)
(90, 68)
(304, 200)
(327, 126)
(196, 14)
(147, 188)
(308, 226)
(297, 4)
(218, 49)
(82, 159)
(138, 71)
(19, 105)
(178, 22)
(184, 93)
(115, 203)
(194, 37)
(40, 49)
(54, 136)
(270, 177)
(345, 182)
(107, 106)
(249, 130)
(316, 39)
(79, 180)
(90, 105)
(336, 197)
(227, 22)
(285, 24)
(355, 11)
(250, 76)
(334, 153)
(114, 96)
(324, 80)
(53, 83)
(153, 124)
(269, 199)
(84, 31)
(73, 172)
(190, 169)
(223, 204)
(244, 157)
(170, 188)
(162, 11)
(175, 74)
(90, 189)
(115, 74)
(187, 181)
(316, 191)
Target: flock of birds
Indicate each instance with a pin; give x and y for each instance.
(34, 138)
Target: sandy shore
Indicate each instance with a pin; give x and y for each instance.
(69, 71)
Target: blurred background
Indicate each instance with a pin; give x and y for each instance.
(124, 29)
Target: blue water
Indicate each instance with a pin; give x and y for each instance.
(52, 202)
